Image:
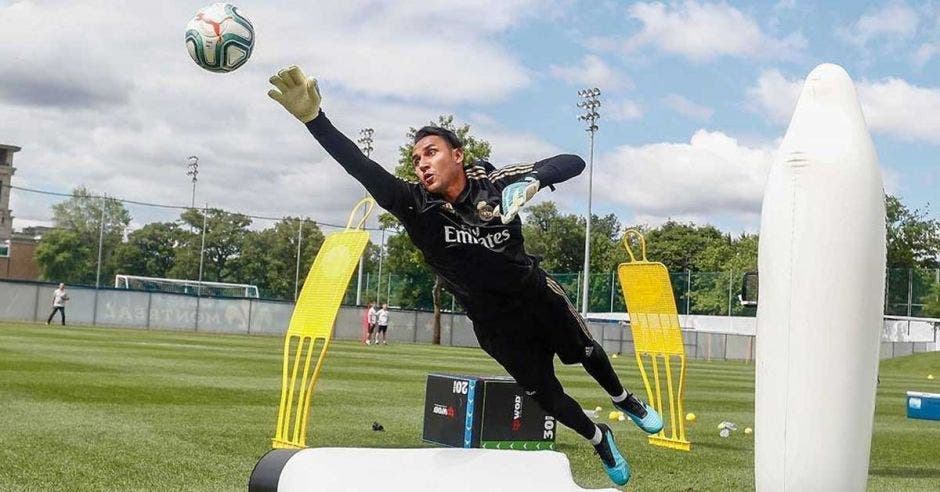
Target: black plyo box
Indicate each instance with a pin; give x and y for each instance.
(484, 412)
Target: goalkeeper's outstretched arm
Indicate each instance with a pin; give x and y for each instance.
(520, 183)
(548, 172)
(301, 97)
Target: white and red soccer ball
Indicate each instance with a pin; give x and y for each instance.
(219, 38)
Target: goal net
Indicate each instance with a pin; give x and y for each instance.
(194, 287)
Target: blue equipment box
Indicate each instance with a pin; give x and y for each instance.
(923, 405)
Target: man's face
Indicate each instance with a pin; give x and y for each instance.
(436, 163)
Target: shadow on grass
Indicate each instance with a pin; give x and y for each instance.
(896, 472)
(718, 446)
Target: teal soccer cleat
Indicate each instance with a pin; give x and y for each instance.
(614, 463)
(643, 415)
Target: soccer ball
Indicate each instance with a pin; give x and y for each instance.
(219, 38)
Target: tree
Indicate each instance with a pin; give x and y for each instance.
(224, 238)
(63, 256)
(913, 238)
(149, 251)
(708, 259)
(474, 149)
(559, 240)
(932, 302)
(268, 258)
(720, 268)
(403, 258)
(85, 216)
(680, 246)
(913, 242)
(415, 283)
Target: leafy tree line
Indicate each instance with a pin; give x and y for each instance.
(702, 257)
(233, 251)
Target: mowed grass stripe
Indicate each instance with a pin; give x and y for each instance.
(88, 408)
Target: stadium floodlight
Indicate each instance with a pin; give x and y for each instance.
(180, 286)
(589, 103)
(365, 144)
(193, 171)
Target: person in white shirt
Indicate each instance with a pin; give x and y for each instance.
(373, 319)
(59, 298)
(383, 324)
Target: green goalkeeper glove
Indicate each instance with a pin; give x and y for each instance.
(516, 195)
(298, 94)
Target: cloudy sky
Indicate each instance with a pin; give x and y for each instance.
(696, 95)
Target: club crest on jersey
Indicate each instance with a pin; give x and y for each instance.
(486, 211)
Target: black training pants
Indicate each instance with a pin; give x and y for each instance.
(60, 309)
(525, 338)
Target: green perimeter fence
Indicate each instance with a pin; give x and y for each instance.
(705, 293)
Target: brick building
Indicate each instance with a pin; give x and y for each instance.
(17, 260)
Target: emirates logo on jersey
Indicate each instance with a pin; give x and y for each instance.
(471, 235)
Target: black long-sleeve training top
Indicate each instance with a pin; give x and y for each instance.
(481, 260)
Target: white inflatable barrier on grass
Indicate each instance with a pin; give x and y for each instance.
(413, 470)
(819, 320)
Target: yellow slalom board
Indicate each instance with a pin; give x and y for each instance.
(657, 340)
(311, 326)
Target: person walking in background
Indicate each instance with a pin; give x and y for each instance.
(59, 298)
(373, 318)
(382, 318)
(365, 324)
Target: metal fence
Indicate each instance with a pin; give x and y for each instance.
(31, 301)
(702, 293)
(907, 291)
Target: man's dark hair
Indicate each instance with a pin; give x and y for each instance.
(452, 139)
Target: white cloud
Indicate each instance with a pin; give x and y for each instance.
(688, 108)
(774, 95)
(702, 31)
(892, 106)
(711, 176)
(592, 71)
(894, 20)
(121, 106)
(623, 110)
(925, 52)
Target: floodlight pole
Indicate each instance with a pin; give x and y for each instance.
(378, 285)
(202, 248)
(589, 103)
(100, 242)
(300, 237)
(365, 143)
(193, 171)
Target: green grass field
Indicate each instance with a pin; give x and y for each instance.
(92, 408)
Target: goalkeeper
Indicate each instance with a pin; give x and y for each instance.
(464, 219)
